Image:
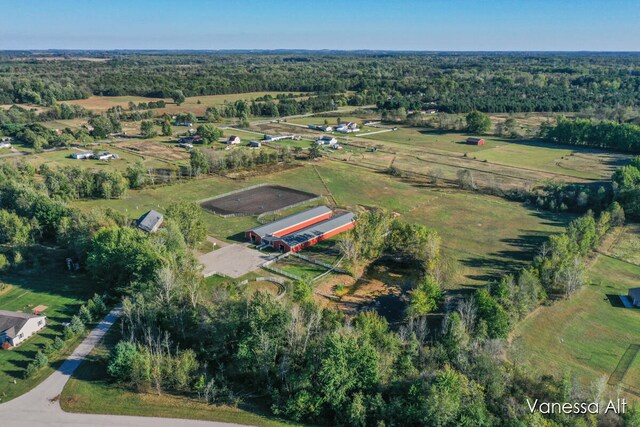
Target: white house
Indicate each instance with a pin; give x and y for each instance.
(347, 127)
(5, 145)
(327, 140)
(233, 139)
(107, 156)
(81, 155)
(16, 327)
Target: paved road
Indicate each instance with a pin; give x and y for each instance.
(40, 406)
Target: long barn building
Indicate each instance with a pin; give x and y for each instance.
(298, 231)
(288, 224)
(309, 236)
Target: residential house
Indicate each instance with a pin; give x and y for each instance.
(16, 327)
(233, 140)
(107, 156)
(255, 144)
(327, 140)
(82, 155)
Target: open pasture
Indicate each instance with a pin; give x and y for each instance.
(103, 103)
(486, 235)
(588, 334)
(156, 149)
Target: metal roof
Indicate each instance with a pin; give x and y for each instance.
(11, 322)
(290, 221)
(318, 229)
(149, 220)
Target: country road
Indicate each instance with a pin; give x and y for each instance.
(40, 406)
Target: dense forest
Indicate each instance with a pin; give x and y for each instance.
(455, 82)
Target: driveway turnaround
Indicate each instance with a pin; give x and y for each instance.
(40, 406)
(233, 261)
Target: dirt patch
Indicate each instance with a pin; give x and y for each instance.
(155, 149)
(257, 200)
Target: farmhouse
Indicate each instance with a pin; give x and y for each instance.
(321, 127)
(634, 296)
(254, 144)
(233, 140)
(186, 145)
(315, 233)
(187, 124)
(288, 224)
(16, 327)
(475, 141)
(326, 140)
(5, 145)
(151, 221)
(82, 155)
(106, 156)
(347, 127)
(278, 137)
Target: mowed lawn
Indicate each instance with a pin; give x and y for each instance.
(486, 234)
(90, 391)
(585, 335)
(63, 293)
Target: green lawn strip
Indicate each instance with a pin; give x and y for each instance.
(90, 391)
(585, 335)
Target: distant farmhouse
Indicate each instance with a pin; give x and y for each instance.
(347, 127)
(327, 140)
(323, 128)
(82, 155)
(4, 144)
(106, 156)
(634, 296)
(187, 124)
(233, 140)
(475, 141)
(254, 144)
(151, 221)
(278, 137)
(17, 327)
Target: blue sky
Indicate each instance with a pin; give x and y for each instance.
(600, 25)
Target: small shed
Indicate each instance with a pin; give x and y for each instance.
(634, 296)
(255, 144)
(151, 221)
(475, 141)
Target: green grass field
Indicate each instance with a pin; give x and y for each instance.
(531, 154)
(585, 335)
(486, 234)
(62, 293)
(89, 391)
(299, 267)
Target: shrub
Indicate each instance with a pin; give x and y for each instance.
(30, 371)
(58, 343)
(40, 360)
(85, 314)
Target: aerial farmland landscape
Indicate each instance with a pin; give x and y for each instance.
(248, 214)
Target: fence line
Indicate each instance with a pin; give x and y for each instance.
(333, 267)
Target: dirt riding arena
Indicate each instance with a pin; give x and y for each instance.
(257, 200)
(155, 149)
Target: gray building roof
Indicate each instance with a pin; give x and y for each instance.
(11, 322)
(634, 293)
(289, 221)
(318, 229)
(150, 221)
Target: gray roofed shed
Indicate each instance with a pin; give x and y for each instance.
(151, 221)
